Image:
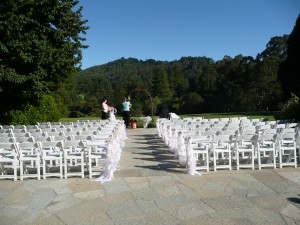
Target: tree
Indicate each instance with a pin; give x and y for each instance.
(289, 72)
(193, 103)
(208, 79)
(161, 86)
(40, 47)
(276, 47)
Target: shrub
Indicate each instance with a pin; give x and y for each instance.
(76, 114)
(45, 111)
(48, 108)
(139, 124)
(152, 124)
(291, 109)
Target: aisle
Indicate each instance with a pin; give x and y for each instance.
(146, 155)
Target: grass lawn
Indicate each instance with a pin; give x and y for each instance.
(265, 115)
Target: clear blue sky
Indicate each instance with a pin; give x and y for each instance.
(170, 29)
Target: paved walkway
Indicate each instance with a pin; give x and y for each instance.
(151, 189)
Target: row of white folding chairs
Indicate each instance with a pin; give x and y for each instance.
(225, 148)
(10, 135)
(36, 132)
(29, 156)
(74, 123)
(61, 152)
(225, 126)
(56, 125)
(241, 121)
(54, 129)
(57, 137)
(250, 147)
(163, 123)
(42, 125)
(45, 136)
(166, 139)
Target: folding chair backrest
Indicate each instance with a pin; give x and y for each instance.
(6, 135)
(81, 137)
(23, 134)
(7, 140)
(72, 144)
(222, 140)
(7, 149)
(266, 137)
(49, 145)
(290, 136)
(246, 137)
(89, 132)
(23, 139)
(62, 138)
(270, 131)
(42, 138)
(27, 147)
(288, 130)
(19, 130)
(7, 146)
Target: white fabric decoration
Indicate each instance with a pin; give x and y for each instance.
(181, 150)
(191, 159)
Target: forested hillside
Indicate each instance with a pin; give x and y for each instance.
(188, 85)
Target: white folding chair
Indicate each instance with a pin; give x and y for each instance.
(30, 160)
(287, 149)
(201, 152)
(221, 150)
(297, 140)
(73, 153)
(8, 160)
(265, 148)
(52, 159)
(244, 151)
(96, 155)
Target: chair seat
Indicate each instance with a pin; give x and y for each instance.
(7, 159)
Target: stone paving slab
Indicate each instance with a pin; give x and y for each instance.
(151, 188)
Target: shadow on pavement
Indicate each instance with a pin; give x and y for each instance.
(157, 151)
(294, 200)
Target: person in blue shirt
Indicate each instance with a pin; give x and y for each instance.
(126, 111)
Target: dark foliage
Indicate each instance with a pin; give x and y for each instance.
(40, 49)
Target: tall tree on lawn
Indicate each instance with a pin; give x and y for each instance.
(40, 47)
